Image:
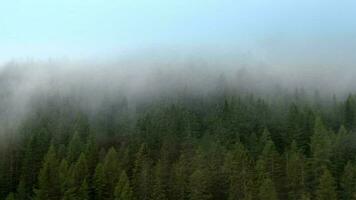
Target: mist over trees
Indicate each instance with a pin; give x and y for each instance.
(151, 130)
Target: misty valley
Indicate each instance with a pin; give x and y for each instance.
(180, 133)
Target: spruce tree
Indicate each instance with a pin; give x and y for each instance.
(83, 192)
(199, 189)
(160, 182)
(75, 147)
(320, 147)
(270, 165)
(326, 189)
(142, 177)
(111, 168)
(238, 169)
(48, 180)
(123, 190)
(99, 182)
(295, 171)
(267, 190)
(348, 181)
(63, 173)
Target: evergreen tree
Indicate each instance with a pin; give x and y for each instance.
(270, 165)
(63, 173)
(295, 171)
(267, 190)
(348, 181)
(199, 185)
(48, 180)
(326, 189)
(142, 180)
(181, 175)
(111, 168)
(83, 192)
(75, 148)
(350, 112)
(160, 191)
(123, 190)
(77, 175)
(36, 148)
(321, 147)
(99, 182)
(237, 168)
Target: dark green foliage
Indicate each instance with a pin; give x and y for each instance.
(295, 171)
(48, 179)
(348, 181)
(199, 181)
(327, 187)
(142, 174)
(267, 190)
(238, 169)
(215, 147)
(11, 196)
(123, 189)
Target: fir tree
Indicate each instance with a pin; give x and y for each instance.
(123, 190)
(99, 182)
(267, 190)
(111, 168)
(142, 174)
(48, 180)
(199, 185)
(326, 189)
(348, 181)
(237, 168)
(295, 171)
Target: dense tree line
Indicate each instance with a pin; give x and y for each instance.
(226, 145)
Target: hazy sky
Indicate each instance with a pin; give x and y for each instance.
(78, 29)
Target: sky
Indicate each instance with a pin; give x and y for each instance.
(277, 31)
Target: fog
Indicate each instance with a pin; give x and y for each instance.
(148, 77)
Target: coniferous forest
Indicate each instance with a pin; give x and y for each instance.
(228, 143)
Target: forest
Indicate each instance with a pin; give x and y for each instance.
(228, 142)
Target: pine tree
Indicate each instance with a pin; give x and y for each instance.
(320, 147)
(270, 165)
(63, 173)
(340, 152)
(199, 185)
(142, 174)
(91, 152)
(326, 189)
(77, 175)
(267, 190)
(48, 180)
(350, 113)
(35, 150)
(295, 171)
(83, 192)
(181, 173)
(123, 190)
(75, 148)
(111, 168)
(237, 168)
(99, 182)
(160, 182)
(348, 181)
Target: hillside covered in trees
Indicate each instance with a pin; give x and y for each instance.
(227, 142)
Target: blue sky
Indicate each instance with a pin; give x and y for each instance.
(42, 29)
